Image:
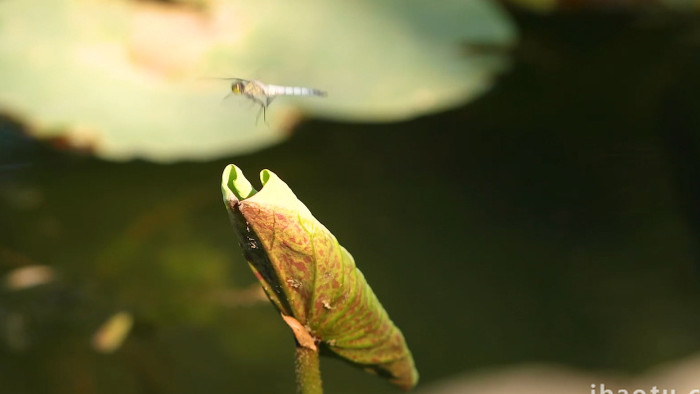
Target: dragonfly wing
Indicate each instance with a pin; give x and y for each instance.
(261, 100)
(227, 79)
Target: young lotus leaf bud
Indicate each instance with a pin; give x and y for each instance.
(310, 277)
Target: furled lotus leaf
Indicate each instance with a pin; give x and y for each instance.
(308, 275)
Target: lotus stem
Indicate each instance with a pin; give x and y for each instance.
(308, 371)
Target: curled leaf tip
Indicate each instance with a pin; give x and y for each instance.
(234, 185)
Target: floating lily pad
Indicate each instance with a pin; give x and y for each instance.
(124, 79)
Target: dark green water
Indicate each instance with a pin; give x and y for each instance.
(556, 219)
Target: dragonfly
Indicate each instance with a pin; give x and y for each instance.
(262, 94)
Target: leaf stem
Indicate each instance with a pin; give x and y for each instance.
(308, 371)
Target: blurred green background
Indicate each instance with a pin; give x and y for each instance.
(555, 219)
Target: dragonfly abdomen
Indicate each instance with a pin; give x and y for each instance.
(276, 90)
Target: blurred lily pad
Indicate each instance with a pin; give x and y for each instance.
(123, 79)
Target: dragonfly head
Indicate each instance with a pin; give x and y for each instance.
(237, 87)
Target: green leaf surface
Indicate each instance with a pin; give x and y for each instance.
(308, 275)
(124, 79)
